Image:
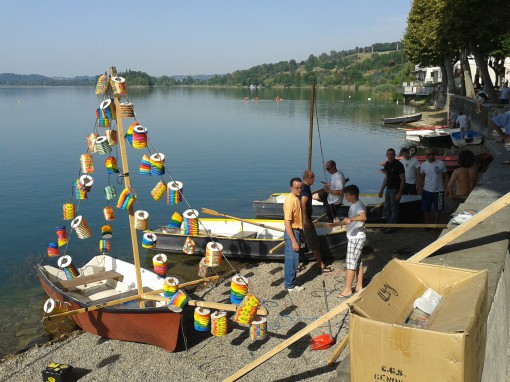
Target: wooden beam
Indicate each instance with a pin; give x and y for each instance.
(289, 341)
(448, 237)
(338, 350)
(424, 253)
(262, 311)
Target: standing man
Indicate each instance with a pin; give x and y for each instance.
(462, 123)
(412, 171)
(334, 189)
(312, 241)
(292, 215)
(434, 178)
(394, 182)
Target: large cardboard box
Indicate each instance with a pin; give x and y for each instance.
(450, 347)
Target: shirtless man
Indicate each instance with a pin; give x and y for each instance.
(464, 178)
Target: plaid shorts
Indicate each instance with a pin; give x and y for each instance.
(354, 249)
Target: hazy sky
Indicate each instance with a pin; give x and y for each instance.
(68, 38)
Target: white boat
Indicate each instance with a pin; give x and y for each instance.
(468, 138)
(403, 119)
(414, 134)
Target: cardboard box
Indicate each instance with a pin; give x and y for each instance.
(451, 347)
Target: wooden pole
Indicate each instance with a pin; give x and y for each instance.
(215, 213)
(424, 253)
(459, 230)
(289, 341)
(310, 132)
(338, 350)
(127, 182)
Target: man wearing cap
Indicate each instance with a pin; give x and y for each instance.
(394, 180)
(434, 178)
(412, 171)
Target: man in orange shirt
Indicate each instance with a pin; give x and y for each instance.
(293, 234)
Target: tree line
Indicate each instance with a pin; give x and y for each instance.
(444, 32)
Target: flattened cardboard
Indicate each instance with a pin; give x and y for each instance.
(450, 348)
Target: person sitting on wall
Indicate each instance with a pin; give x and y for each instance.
(500, 122)
(463, 178)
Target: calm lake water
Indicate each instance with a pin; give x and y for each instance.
(227, 152)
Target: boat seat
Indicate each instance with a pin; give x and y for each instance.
(89, 279)
(119, 296)
(245, 235)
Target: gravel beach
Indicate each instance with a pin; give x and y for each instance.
(215, 358)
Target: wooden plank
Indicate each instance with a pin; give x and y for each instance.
(89, 279)
(220, 306)
(120, 296)
(424, 253)
(289, 341)
(459, 230)
(338, 350)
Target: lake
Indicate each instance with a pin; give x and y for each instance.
(226, 151)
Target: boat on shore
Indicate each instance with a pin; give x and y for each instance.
(105, 279)
(403, 119)
(410, 207)
(415, 134)
(246, 239)
(469, 137)
(437, 138)
(107, 296)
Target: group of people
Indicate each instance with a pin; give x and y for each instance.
(429, 179)
(299, 226)
(401, 177)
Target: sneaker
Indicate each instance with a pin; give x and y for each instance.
(297, 288)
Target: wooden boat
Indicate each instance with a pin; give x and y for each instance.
(104, 279)
(410, 207)
(95, 295)
(403, 119)
(414, 134)
(436, 138)
(242, 240)
(469, 137)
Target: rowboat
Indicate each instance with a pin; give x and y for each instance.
(104, 279)
(107, 296)
(415, 134)
(469, 137)
(437, 138)
(410, 207)
(246, 239)
(403, 119)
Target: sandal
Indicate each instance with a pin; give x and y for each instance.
(326, 270)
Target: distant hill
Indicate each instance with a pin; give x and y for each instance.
(381, 65)
(39, 80)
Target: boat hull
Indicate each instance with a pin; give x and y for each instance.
(251, 246)
(403, 119)
(471, 138)
(409, 209)
(134, 324)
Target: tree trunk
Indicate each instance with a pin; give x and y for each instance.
(481, 61)
(466, 72)
(449, 75)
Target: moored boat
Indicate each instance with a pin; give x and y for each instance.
(272, 207)
(469, 137)
(403, 119)
(244, 240)
(104, 279)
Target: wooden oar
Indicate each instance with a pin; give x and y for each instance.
(215, 213)
(424, 253)
(338, 350)
(396, 225)
(126, 299)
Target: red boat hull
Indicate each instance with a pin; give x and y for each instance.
(154, 326)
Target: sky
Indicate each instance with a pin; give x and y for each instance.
(171, 37)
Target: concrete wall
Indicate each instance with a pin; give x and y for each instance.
(486, 246)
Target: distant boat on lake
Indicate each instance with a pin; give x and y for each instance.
(403, 119)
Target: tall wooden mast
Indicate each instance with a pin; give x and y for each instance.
(127, 182)
(310, 133)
